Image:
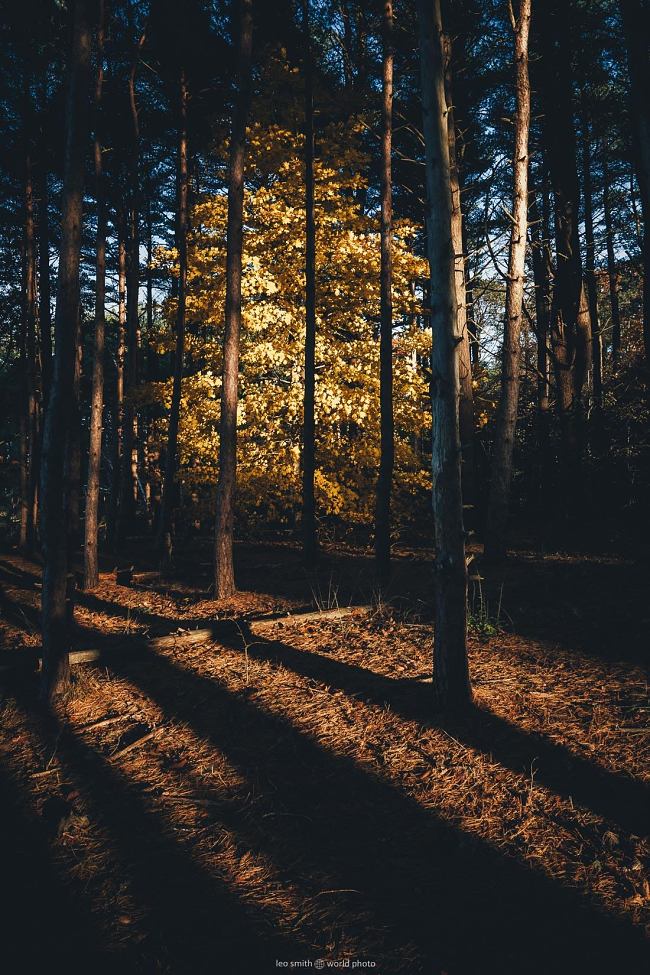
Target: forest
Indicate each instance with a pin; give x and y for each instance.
(324, 486)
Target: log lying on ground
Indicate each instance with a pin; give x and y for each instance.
(30, 659)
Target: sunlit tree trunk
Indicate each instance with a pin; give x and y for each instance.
(612, 272)
(504, 440)
(58, 415)
(309, 534)
(169, 485)
(91, 562)
(466, 406)
(451, 673)
(387, 448)
(224, 571)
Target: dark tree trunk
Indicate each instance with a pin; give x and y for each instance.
(91, 561)
(58, 416)
(451, 673)
(612, 273)
(636, 14)
(542, 274)
(168, 493)
(309, 534)
(224, 572)
(44, 312)
(466, 406)
(504, 441)
(73, 456)
(590, 267)
(387, 449)
(29, 451)
(118, 441)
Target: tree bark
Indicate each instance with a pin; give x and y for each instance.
(590, 266)
(44, 312)
(451, 673)
(387, 448)
(29, 450)
(169, 485)
(504, 441)
(309, 533)
(542, 274)
(636, 14)
(224, 572)
(612, 273)
(91, 561)
(118, 421)
(58, 416)
(466, 406)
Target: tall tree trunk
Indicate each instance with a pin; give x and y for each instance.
(636, 13)
(44, 312)
(118, 434)
(504, 441)
(91, 562)
(387, 449)
(129, 485)
(466, 407)
(590, 266)
(169, 485)
(29, 423)
(58, 415)
(612, 273)
(451, 672)
(542, 273)
(224, 571)
(309, 534)
(73, 455)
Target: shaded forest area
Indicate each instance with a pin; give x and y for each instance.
(324, 476)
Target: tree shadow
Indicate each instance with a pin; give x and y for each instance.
(192, 922)
(615, 796)
(466, 906)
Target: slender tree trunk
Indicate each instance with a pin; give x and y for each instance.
(451, 673)
(309, 534)
(118, 441)
(73, 455)
(636, 14)
(611, 268)
(387, 449)
(168, 494)
(44, 312)
(504, 441)
(590, 267)
(29, 425)
(58, 415)
(224, 572)
(542, 272)
(91, 561)
(466, 407)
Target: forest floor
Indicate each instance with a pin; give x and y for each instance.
(283, 792)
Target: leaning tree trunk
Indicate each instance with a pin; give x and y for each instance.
(387, 448)
(451, 673)
(91, 562)
(309, 534)
(168, 493)
(224, 571)
(635, 14)
(58, 416)
(502, 458)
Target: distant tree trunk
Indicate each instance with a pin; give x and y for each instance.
(611, 268)
(387, 449)
(504, 440)
(91, 562)
(466, 408)
(224, 571)
(118, 441)
(58, 415)
(309, 535)
(636, 14)
(590, 266)
(169, 485)
(451, 673)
